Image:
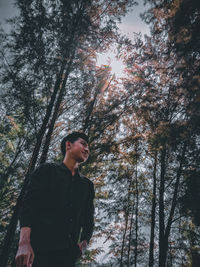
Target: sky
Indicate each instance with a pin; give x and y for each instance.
(7, 10)
(130, 23)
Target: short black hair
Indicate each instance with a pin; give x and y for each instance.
(72, 137)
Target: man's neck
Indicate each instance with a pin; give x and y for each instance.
(71, 164)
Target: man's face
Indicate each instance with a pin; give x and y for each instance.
(78, 150)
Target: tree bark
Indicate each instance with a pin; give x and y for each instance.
(126, 226)
(45, 121)
(162, 245)
(130, 238)
(153, 212)
(136, 215)
(73, 41)
(164, 242)
(174, 202)
(55, 114)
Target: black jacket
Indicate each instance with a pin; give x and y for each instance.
(58, 207)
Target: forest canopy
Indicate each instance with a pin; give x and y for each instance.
(143, 128)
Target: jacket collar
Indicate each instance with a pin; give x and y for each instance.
(64, 167)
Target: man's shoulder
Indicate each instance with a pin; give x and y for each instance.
(85, 179)
(44, 168)
(47, 166)
(89, 185)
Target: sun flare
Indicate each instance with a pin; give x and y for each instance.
(109, 58)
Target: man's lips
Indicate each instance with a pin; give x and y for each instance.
(85, 154)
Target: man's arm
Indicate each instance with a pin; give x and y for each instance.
(25, 254)
(88, 223)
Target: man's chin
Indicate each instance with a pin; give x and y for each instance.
(81, 160)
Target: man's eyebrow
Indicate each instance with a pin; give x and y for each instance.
(83, 141)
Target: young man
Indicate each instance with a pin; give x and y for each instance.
(57, 214)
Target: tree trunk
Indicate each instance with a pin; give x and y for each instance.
(130, 238)
(136, 216)
(55, 113)
(153, 212)
(162, 248)
(45, 121)
(130, 231)
(164, 242)
(174, 201)
(123, 240)
(73, 41)
(126, 225)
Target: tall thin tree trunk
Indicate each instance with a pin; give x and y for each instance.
(173, 205)
(91, 106)
(45, 121)
(130, 232)
(130, 238)
(153, 212)
(164, 241)
(136, 215)
(73, 41)
(126, 225)
(161, 211)
(123, 240)
(55, 113)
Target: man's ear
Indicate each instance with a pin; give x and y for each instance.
(67, 145)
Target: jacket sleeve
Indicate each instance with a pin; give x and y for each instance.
(34, 195)
(88, 222)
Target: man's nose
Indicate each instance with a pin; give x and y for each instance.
(86, 149)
